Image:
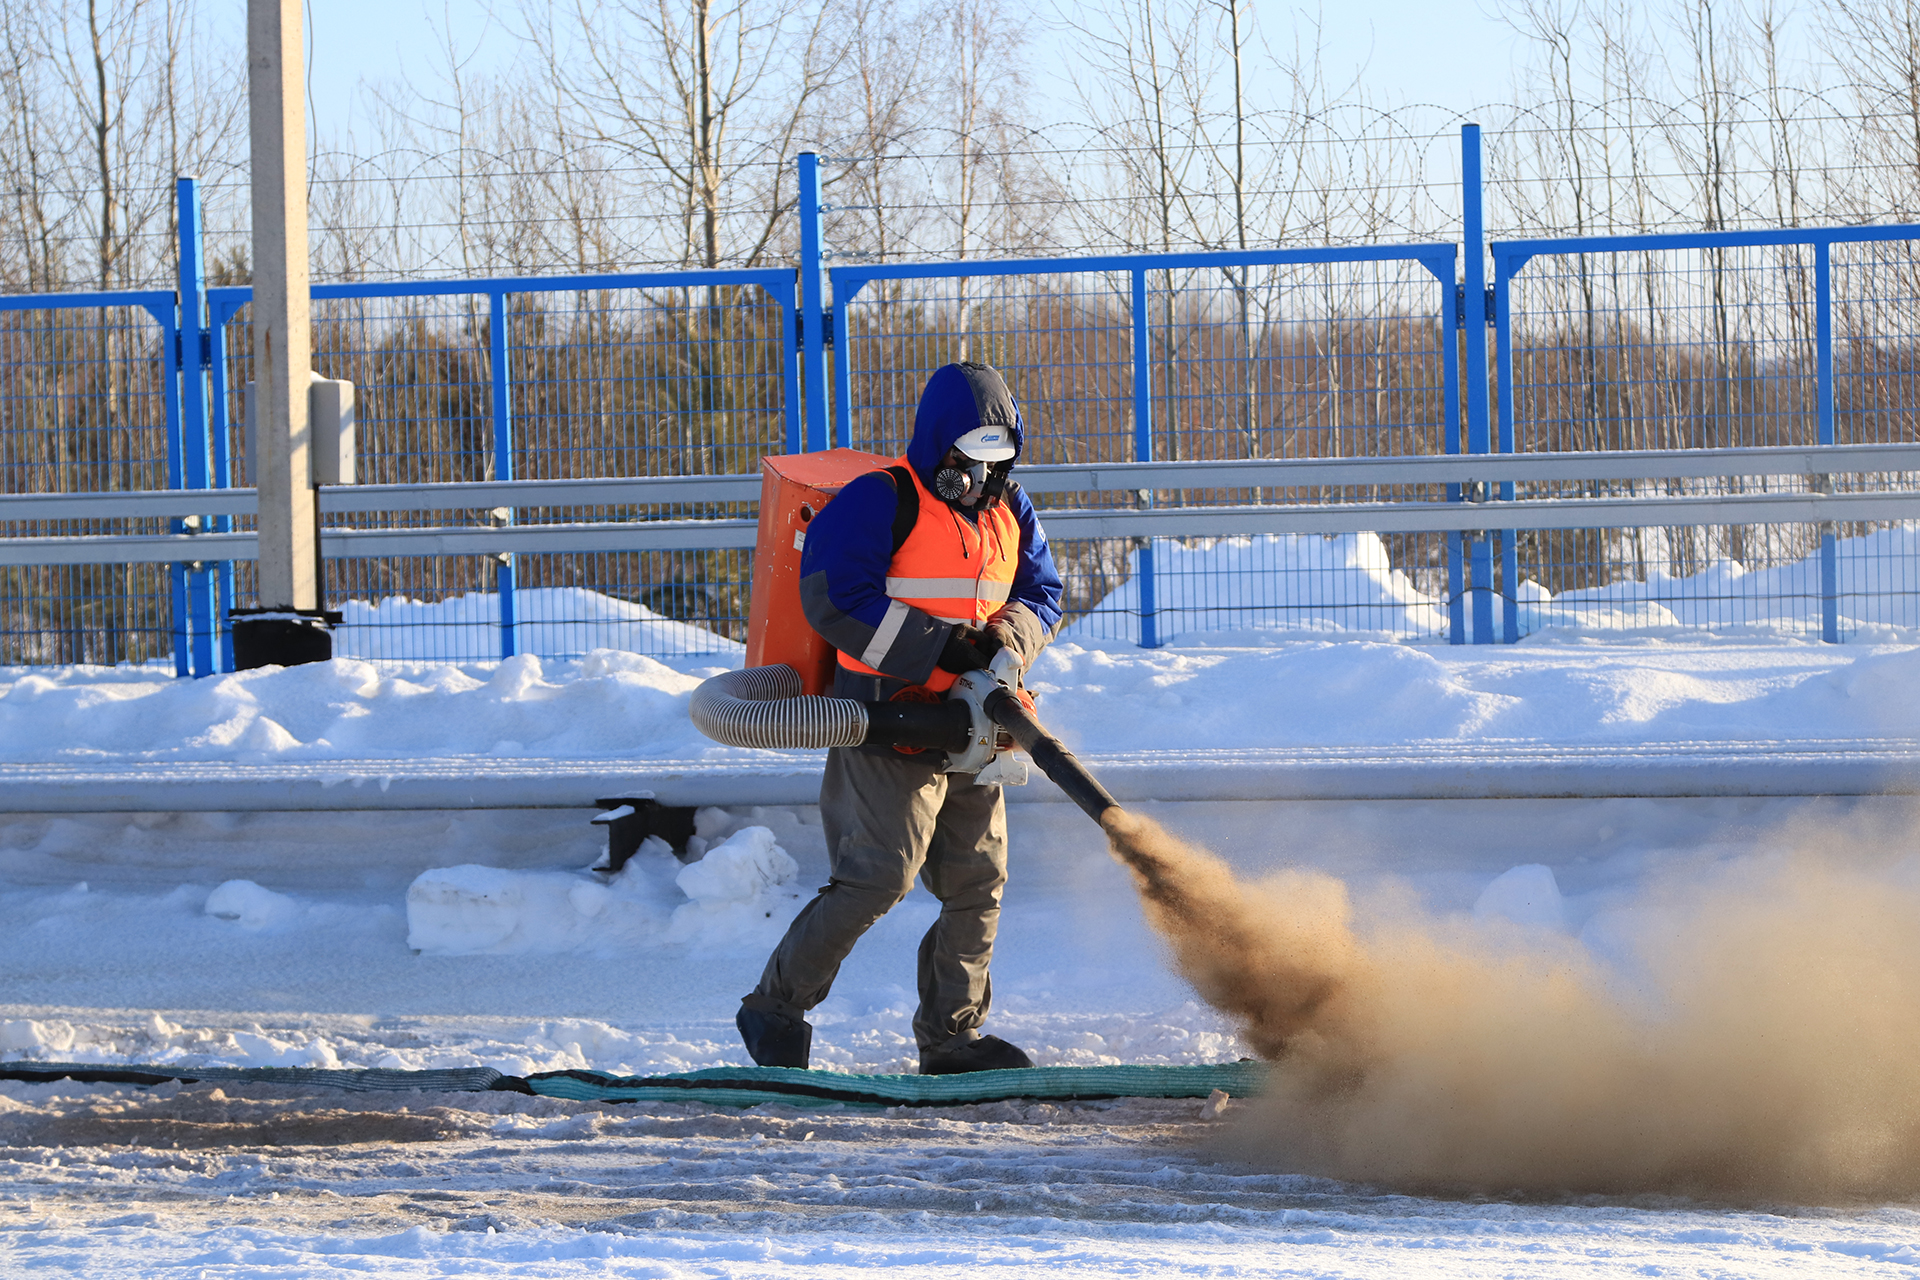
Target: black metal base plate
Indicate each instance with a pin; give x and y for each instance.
(281, 637)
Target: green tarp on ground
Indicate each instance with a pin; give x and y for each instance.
(750, 1086)
(714, 1086)
(353, 1080)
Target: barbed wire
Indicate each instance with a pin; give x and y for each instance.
(1352, 173)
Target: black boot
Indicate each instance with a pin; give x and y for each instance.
(774, 1040)
(988, 1053)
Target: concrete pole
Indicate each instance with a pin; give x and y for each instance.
(282, 341)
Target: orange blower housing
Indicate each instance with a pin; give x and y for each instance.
(793, 488)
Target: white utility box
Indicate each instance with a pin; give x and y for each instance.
(330, 412)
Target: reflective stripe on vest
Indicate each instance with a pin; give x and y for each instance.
(949, 567)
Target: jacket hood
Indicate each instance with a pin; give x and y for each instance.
(958, 398)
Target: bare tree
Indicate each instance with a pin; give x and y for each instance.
(711, 95)
(25, 160)
(982, 77)
(1878, 44)
(889, 101)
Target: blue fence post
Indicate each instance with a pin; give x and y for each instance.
(177, 574)
(813, 316)
(1453, 319)
(503, 576)
(217, 317)
(1503, 378)
(842, 364)
(1823, 365)
(1478, 432)
(1143, 451)
(196, 454)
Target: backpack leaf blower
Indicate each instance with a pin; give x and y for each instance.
(778, 699)
(764, 707)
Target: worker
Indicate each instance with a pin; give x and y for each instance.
(917, 574)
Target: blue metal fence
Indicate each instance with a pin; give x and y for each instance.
(88, 403)
(1199, 356)
(666, 373)
(1707, 340)
(1711, 340)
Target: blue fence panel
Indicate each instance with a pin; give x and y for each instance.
(1871, 394)
(1628, 342)
(1710, 340)
(1204, 356)
(548, 378)
(88, 404)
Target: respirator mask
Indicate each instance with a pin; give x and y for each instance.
(974, 472)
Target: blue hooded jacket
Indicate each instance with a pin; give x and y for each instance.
(843, 566)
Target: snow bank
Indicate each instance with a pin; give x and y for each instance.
(252, 906)
(1287, 582)
(1524, 895)
(1310, 691)
(748, 866)
(554, 621)
(1344, 584)
(608, 704)
(732, 896)
(738, 889)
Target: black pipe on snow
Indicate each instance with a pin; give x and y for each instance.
(1050, 754)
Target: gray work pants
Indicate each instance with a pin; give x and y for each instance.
(887, 819)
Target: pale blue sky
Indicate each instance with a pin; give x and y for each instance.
(1414, 51)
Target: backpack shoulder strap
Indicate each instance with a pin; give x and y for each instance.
(906, 504)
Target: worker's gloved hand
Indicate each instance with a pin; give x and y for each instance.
(967, 650)
(1003, 638)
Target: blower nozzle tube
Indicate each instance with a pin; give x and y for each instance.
(1050, 754)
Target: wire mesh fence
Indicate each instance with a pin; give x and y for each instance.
(1240, 590)
(1761, 580)
(610, 381)
(1356, 353)
(1876, 341)
(1342, 359)
(1661, 346)
(84, 409)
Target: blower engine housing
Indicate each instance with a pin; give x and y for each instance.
(793, 488)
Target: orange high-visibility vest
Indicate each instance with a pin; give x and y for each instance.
(951, 567)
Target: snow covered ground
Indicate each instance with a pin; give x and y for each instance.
(314, 968)
(431, 938)
(497, 1185)
(1234, 691)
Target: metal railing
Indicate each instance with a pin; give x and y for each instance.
(1737, 344)
(1812, 505)
(1281, 437)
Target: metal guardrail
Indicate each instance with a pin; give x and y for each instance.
(342, 499)
(1294, 473)
(1462, 517)
(1169, 522)
(342, 544)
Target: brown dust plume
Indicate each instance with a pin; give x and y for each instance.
(1770, 1052)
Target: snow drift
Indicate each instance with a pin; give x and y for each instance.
(1345, 583)
(552, 621)
(733, 895)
